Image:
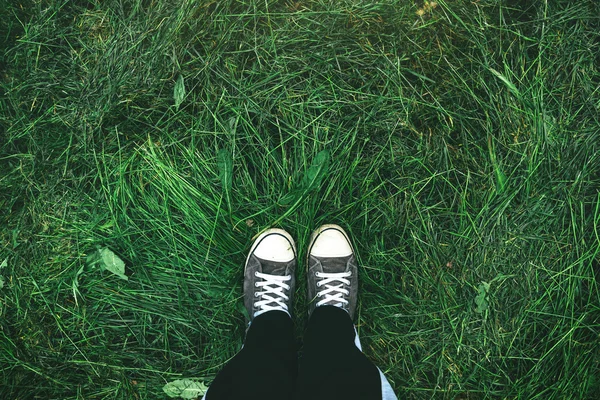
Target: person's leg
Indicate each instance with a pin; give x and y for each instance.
(266, 367)
(333, 366)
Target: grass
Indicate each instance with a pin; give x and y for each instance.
(458, 143)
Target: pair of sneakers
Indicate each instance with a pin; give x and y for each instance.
(269, 274)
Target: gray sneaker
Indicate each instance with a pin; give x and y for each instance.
(332, 270)
(269, 274)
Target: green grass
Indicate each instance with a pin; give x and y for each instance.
(457, 147)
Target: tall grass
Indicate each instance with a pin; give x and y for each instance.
(458, 142)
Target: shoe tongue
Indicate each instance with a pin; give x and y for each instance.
(334, 264)
(272, 267)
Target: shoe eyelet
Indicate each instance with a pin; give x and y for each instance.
(255, 294)
(256, 273)
(255, 284)
(317, 274)
(318, 284)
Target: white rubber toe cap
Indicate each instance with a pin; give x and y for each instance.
(331, 241)
(275, 245)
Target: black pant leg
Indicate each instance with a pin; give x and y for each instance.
(265, 368)
(331, 366)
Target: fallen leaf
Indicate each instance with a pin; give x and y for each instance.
(185, 388)
(108, 260)
(179, 91)
(481, 298)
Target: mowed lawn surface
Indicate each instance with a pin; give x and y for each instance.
(458, 142)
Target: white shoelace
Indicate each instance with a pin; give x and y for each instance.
(334, 294)
(273, 287)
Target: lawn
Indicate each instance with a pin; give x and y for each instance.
(458, 142)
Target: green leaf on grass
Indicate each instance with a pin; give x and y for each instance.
(481, 300)
(185, 388)
(107, 260)
(500, 176)
(225, 165)
(179, 91)
(511, 86)
(311, 180)
(317, 170)
(4, 264)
